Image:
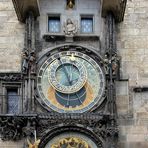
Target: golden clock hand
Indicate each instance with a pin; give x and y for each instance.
(72, 57)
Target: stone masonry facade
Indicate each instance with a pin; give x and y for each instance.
(132, 45)
(11, 45)
(11, 38)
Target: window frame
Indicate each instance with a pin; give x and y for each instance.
(93, 25)
(5, 88)
(53, 15)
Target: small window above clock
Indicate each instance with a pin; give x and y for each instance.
(54, 24)
(87, 24)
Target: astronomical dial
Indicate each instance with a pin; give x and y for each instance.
(71, 82)
(67, 75)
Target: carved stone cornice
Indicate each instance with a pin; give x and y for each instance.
(14, 127)
(10, 77)
(94, 125)
(24, 6)
(117, 7)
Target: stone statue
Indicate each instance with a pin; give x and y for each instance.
(70, 28)
(28, 61)
(25, 56)
(32, 62)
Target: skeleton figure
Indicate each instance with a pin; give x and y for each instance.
(113, 63)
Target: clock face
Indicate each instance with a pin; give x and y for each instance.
(70, 82)
(67, 75)
(71, 140)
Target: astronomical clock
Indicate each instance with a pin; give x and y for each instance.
(71, 82)
(64, 96)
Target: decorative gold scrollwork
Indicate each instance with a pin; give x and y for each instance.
(71, 142)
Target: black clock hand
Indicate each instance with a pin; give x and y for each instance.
(65, 71)
(78, 98)
(68, 101)
(71, 73)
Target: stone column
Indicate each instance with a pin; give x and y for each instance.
(112, 131)
(28, 64)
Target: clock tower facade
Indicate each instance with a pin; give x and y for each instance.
(67, 82)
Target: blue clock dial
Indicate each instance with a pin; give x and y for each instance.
(67, 74)
(71, 100)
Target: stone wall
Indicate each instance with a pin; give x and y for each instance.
(11, 38)
(11, 44)
(132, 43)
(50, 8)
(11, 144)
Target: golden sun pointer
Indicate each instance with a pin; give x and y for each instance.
(72, 58)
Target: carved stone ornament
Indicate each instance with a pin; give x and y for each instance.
(70, 27)
(113, 63)
(10, 77)
(94, 121)
(15, 127)
(28, 61)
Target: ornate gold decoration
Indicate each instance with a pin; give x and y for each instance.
(72, 57)
(71, 142)
(34, 145)
(70, 4)
(88, 100)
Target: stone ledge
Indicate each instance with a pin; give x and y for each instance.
(133, 144)
(117, 7)
(23, 6)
